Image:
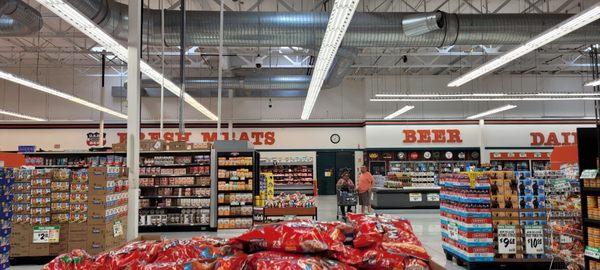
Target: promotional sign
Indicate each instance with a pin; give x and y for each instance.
(534, 240)
(399, 136)
(507, 239)
(415, 197)
(46, 234)
(117, 228)
(453, 231)
(589, 174)
(433, 197)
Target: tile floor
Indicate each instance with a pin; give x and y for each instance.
(426, 224)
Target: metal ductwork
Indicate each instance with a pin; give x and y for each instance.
(423, 23)
(306, 29)
(18, 19)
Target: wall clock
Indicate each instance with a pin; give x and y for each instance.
(335, 138)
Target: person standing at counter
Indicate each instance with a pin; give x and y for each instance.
(365, 184)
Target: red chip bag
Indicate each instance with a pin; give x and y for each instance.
(75, 260)
(232, 262)
(368, 233)
(132, 256)
(194, 264)
(346, 254)
(292, 236)
(378, 258)
(335, 232)
(406, 249)
(181, 251)
(415, 264)
(274, 260)
(214, 241)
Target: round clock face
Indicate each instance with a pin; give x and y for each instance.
(461, 155)
(475, 155)
(335, 138)
(448, 155)
(427, 155)
(414, 155)
(401, 155)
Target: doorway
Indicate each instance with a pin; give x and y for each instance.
(330, 164)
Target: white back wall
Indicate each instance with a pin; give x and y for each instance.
(349, 101)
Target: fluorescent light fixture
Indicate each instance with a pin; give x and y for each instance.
(593, 83)
(89, 28)
(485, 99)
(33, 85)
(399, 112)
(573, 23)
(555, 94)
(343, 11)
(18, 115)
(492, 111)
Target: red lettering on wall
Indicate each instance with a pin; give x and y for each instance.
(424, 136)
(183, 137)
(454, 136)
(410, 136)
(269, 138)
(154, 135)
(439, 136)
(209, 136)
(537, 138)
(168, 136)
(244, 136)
(553, 139)
(122, 137)
(257, 136)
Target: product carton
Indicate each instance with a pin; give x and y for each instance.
(177, 146)
(153, 145)
(119, 147)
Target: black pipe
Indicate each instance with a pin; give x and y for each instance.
(181, 66)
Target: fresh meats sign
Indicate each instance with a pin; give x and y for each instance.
(255, 137)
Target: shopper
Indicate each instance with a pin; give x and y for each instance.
(365, 184)
(345, 184)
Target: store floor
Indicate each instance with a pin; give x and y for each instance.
(426, 224)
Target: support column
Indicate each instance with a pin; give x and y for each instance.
(133, 116)
(485, 156)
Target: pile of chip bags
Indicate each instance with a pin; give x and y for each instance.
(368, 242)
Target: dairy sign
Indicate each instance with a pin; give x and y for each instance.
(255, 137)
(553, 138)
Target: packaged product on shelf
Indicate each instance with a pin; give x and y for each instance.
(291, 200)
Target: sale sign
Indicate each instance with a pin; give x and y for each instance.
(534, 240)
(507, 239)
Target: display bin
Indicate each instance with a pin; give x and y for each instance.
(393, 198)
(290, 211)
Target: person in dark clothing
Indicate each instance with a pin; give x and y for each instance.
(345, 184)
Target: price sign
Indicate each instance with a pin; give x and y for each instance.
(565, 239)
(561, 184)
(589, 174)
(507, 239)
(415, 197)
(46, 234)
(592, 252)
(534, 240)
(433, 197)
(117, 229)
(453, 230)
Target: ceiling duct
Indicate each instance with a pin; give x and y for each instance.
(422, 23)
(306, 29)
(18, 19)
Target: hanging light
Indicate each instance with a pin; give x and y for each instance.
(23, 116)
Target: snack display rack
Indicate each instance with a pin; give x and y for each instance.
(590, 211)
(565, 237)
(290, 176)
(406, 190)
(175, 191)
(236, 174)
(490, 219)
(7, 178)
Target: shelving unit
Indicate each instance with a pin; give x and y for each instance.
(175, 191)
(235, 177)
(289, 176)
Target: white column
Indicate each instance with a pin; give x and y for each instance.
(133, 114)
(485, 156)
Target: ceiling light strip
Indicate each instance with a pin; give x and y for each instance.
(573, 23)
(556, 94)
(399, 112)
(89, 28)
(593, 83)
(343, 11)
(36, 86)
(492, 111)
(23, 116)
(484, 99)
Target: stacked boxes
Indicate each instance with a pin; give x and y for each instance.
(107, 208)
(6, 180)
(465, 216)
(60, 210)
(505, 214)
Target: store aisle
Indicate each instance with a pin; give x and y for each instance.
(426, 224)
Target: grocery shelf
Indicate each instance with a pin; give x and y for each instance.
(235, 204)
(175, 227)
(236, 216)
(176, 165)
(593, 222)
(236, 191)
(236, 166)
(173, 175)
(591, 190)
(176, 186)
(172, 207)
(59, 166)
(172, 196)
